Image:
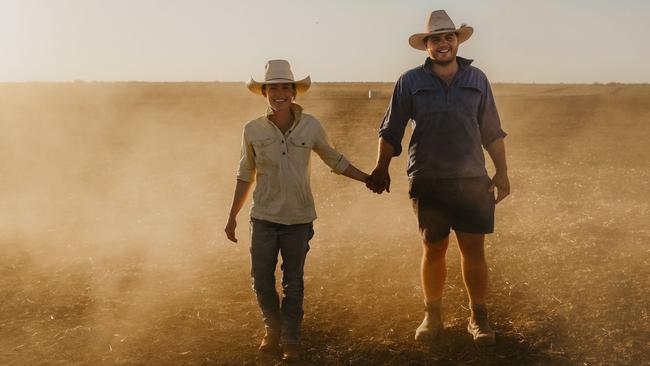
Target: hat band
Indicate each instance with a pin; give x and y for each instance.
(444, 29)
(278, 79)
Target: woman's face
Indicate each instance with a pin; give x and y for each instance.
(279, 96)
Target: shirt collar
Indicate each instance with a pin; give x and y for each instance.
(463, 64)
(296, 110)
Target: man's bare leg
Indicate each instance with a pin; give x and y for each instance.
(475, 275)
(433, 273)
(433, 269)
(474, 266)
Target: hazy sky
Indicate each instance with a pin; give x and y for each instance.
(172, 40)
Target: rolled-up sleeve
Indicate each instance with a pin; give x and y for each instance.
(488, 118)
(335, 160)
(246, 171)
(397, 116)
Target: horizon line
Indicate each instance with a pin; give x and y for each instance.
(82, 81)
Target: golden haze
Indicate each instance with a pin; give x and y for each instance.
(114, 197)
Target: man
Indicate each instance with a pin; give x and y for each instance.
(454, 114)
(276, 152)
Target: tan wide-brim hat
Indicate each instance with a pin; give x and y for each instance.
(439, 23)
(278, 72)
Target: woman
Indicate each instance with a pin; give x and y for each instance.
(276, 150)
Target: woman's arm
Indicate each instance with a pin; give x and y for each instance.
(352, 172)
(334, 159)
(241, 192)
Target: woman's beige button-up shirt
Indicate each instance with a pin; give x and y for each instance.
(280, 163)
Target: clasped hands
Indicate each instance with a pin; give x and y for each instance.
(379, 180)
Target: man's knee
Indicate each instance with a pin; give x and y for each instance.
(473, 253)
(434, 251)
(472, 246)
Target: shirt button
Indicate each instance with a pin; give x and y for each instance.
(283, 141)
(284, 153)
(303, 143)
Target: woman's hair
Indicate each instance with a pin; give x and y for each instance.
(293, 85)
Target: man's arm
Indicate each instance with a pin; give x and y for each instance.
(497, 151)
(241, 193)
(391, 133)
(492, 140)
(380, 177)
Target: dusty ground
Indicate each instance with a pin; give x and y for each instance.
(114, 197)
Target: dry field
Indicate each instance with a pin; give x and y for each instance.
(114, 196)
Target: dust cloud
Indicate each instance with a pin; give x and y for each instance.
(114, 198)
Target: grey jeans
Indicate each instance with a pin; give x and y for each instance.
(292, 242)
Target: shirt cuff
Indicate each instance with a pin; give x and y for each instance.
(397, 146)
(499, 135)
(341, 165)
(246, 176)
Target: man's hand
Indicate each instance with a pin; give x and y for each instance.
(230, 229)
(502, 183)
(379, 180)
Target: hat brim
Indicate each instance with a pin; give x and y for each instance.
(417, 40)
(301, 85)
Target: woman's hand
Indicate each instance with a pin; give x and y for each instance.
(230, 229)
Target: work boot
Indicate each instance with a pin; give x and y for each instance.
(270, 342)
(479, 327)
(290, 352)
(432, 323)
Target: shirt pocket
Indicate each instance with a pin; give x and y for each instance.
(469, 101)
(266, 152)
(300, 149)
(428, 104)
(427, 99)
(429, 114)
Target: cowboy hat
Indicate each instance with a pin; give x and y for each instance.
(439, 23)
(278, 72)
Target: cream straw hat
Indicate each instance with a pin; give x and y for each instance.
(439, 23)
(278, 72)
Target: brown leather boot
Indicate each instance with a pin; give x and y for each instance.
(270, 342)
(290, 352)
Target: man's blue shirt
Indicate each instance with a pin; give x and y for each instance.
(450, 123)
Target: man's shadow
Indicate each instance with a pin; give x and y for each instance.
(453, 346)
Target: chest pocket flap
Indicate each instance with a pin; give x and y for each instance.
(427, 100)
(298, 141)
(263, 148)
(470, 98)
(264, 142)
(472, 88)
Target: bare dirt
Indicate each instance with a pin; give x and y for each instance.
(114, 198)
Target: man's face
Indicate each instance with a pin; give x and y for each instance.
(279, 96)
(442, 47)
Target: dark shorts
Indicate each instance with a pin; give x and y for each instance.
(462, 204)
